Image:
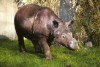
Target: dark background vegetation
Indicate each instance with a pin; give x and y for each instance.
(88, 21)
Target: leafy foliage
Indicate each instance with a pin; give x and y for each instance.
(88, 21)
(53, 4)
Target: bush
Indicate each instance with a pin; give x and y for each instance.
(53, 4)
(88, 21)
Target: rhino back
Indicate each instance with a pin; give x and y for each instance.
(33, 19)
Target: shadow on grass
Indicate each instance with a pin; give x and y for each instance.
(12, 45)
(8, 44)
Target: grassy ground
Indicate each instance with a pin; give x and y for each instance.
(11, 57)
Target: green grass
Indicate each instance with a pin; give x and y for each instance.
(11, 57)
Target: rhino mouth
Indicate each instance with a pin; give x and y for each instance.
(61, 44)
(68, 47)
(58, 44)
(65, 45)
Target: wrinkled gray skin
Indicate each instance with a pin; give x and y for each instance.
(42, 26)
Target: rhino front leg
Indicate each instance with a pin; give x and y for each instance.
(46, 48)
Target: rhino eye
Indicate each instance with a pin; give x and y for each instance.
(55, 23)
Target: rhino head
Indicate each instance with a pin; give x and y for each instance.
(63, 35)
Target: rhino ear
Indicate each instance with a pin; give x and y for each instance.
(55, 24)
(69, 23)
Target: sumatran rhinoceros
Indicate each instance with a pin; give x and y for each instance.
(41, 25)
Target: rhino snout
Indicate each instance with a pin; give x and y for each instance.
(74, 44)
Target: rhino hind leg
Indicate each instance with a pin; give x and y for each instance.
(21, 44)
(38, 48)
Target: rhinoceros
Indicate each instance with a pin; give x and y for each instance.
(41, 25)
